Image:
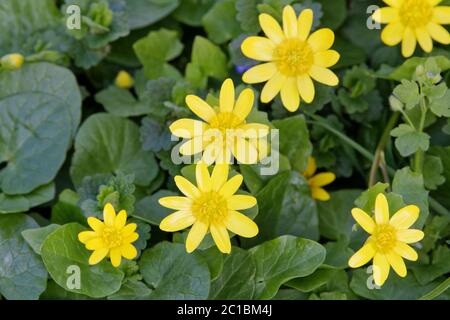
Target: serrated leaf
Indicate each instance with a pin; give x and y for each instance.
(440, 106)
(432, 172)
(408, 140)
(408, 93)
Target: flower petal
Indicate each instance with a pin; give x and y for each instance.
(397, 263)
(231, 186)
(380, 269)
(271, 28)
(362, 256)
(438, 33)
(289, 95)
(323, 75)
(260, 73)
(364, 220)
(131, 238)
(322, 179)
(289, 22)
(129, 229)
(219, 176)
(305, 87)
(272, 87)
(320, 194)
(95, 224)
(227, 96)
(326, 58)
(410, 235)
(195, 236)
(254, 130)
(241, 202)
(200, 107)
(304, 24)
(405, 217)
(176, 203)
(441, 15)
(109, 214)
(95, 244)
(393, 3)
(177, 221)
(116, 256)
(392, 34)
(121, 219)
(408, 43)
(187, 128)
(258, 48)
(405, 251)
(128, 251)
(311, 168)
(381, 209)
(424, 39)
(386, 15)
(194, 146)
(85, 236)
(244, 151)
(186, 187)
(202, 177)
(98, 255)
(221, 238)
(321, 39)
(240, 224)
(244, 104)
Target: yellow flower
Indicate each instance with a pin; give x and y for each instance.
(112, 237)
(12, 61)
(388, 239)
(124, 80)
(316, 182)
(292, 57)
(211, 205)
(412, 21)
(223, 131)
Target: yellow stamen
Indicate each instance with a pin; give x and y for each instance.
(293, 57)
(415, 13)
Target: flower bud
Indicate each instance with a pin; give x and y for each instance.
(420, 70)
(124, 80)
(12, 61)
(396, 105)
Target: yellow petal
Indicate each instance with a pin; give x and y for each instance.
(221, 238)
(129, 229)
(381, 209)
(212, 152)
(241, 202)
(326, 58)
(438, 33)
(194, 146)
(109, 214)
(95, 224)
(186, 187)
(98, 255)
(219, 176)
(227, 96)
(131, 238)
(380, 269)
(322, 179)
(311, 167)
(393, 3)
(410, 235)
(408, 43)
(319, 194)
(441, 15)
(271, 28)
(258, 48)
(260, 73)
(200, 107)
(321, 39)
(241, 225)
(304, 24)
(121, 219)
(364, 220)
(272, 87)
(187, 128)
(95, 244)
(128, 251)
(254, 130)
(289, 22)
(116, 256)
(386, 15)
(392, 34)
(306, 88)
(433, 2)
(397, 263)
(405, 251)
(203, 178)
(289, 95)
(231, 186)
(176, 203)
(244, 104)
(177, 221)
(244, 151)
(424, 39)
(195, 236)
(405, 217)
(362, 256)
(85, 236)
(323, 75)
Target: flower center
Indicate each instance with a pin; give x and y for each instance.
(415, 13)
(112, 237)
(224, 121)
(293, 57)
(210, 206)
(384, 236)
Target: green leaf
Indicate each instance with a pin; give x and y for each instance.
(36, 236)
(410, 186)
(247, 15)
(408, 140)
(155, 50)
(408, 93)
(214, 258)
(439, 266)
(440, 106)
(142, 13)
(24, 202)
(313, 281)
(237, 279)
(432, 172)
(441, 193)
(34, 140)
(101, 147)
(366, 201)
(295, 142)
(334, 13)
(407, 69)
(282, 259)
(149, 209)
(191, 12)
(132, 290)
(22, 273)
(220, 22)
(154, 135)
(121, 102)
(174, 274)
(62, 250)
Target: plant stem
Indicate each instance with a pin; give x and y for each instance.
(436, 291)
(419, 156)
(381, 146)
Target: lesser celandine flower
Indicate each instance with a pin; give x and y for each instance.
(292, 58)
(412, 21)
(388, 241)
(317, 181)
(124, 80)
(111, 237)
(210, 206)
(12, 61)
(224, 130)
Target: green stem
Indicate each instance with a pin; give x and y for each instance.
(420, 154)
(437, 291)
